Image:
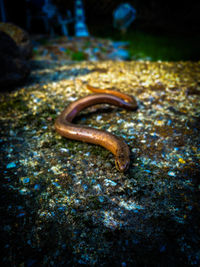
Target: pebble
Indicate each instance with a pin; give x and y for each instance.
(130, 206)
(108, 182)
(171, 173)
(24, 191)
(101, 199)
(55, 169)
(98, 188)
(64, 150)
(11, 165)
(107, 165)
(25, 180)
(99, 117)
(36, 186)
(85, 187)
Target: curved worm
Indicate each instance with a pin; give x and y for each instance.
(116, 145)
(126, 97)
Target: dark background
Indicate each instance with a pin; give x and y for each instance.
(155, 15)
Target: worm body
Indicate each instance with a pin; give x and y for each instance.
(126, 97)
(116, 145)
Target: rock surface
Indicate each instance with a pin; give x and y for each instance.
(64, 202)
(13, 68)
(20, 37)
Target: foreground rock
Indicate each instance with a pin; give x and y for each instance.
(13, 68)
(20, 37)
(65, 204)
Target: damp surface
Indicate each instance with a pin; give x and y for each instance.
(65, 204)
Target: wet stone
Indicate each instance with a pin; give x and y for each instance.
(65, 203)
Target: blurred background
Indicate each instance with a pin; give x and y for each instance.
(158, 30)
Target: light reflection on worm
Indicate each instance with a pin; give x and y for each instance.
(116, 145)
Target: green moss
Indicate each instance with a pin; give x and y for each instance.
(68, 51)
(162, 47)
(154, 46)
(13, 104)
(78, 56)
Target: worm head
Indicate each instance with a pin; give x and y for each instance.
(122, 164)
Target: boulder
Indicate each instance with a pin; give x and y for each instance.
(14, 68)
(20, 37)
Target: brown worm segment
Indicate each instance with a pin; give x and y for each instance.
(116, 145)
(126, 97)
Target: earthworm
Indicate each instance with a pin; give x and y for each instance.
(126, 97)
(116, 145)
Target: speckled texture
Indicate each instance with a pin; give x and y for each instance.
(63, 201)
